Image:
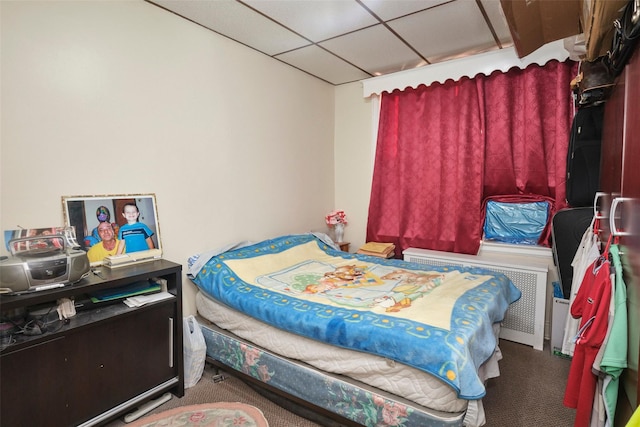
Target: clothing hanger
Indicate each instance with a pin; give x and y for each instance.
(597, 214)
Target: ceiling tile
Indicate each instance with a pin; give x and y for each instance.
(322, 64)
(363, 48)
(316, 20)
(238, 22)
(387, 10)
(447, 30)
(498, 21)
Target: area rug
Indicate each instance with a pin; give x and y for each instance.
(219, 414)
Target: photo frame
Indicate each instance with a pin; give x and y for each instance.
(139, 236)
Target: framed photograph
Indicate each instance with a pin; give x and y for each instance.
(107, 226)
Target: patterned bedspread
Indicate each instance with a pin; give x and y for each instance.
(436, 319)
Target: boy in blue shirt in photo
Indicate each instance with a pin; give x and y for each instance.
(135, 235)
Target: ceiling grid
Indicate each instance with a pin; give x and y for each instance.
(343, 41)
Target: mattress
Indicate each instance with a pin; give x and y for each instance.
(426, 334)
(379, 372)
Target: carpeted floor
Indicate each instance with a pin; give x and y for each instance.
(528, 393)
(230, 390)
(529, 390)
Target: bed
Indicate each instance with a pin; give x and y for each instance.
(377, 342)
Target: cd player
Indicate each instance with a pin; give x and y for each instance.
(43, 267)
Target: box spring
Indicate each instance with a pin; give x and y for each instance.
(340, 396)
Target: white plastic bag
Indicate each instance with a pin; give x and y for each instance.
(195, 351)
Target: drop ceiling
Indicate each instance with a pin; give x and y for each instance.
(342, 41)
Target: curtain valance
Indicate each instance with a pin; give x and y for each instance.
(484, 63)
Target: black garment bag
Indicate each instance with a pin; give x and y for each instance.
(583, 158)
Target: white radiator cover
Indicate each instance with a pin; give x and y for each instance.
(524, 321)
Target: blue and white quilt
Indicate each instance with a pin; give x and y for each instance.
(437, 319)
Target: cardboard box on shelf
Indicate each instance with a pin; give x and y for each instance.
(597, 22)
(534, 23)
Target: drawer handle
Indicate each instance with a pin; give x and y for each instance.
(171, 342)
(612, 216)
(596, 212)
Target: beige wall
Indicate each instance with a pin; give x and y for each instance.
(108, 97)
(354, 151)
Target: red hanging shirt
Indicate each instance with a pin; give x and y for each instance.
(592, 305)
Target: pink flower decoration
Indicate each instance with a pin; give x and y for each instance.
(251, 356)
(263, 372)
(378, 400)
(240, 421)
(391, 413)
(196, 417)
(336, 217)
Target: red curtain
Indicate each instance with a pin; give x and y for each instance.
(443, 149)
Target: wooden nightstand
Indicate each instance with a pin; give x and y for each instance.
(344, 246)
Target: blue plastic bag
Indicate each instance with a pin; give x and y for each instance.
(519, 223)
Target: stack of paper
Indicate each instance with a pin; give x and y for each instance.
(379, 249)
(141, 300)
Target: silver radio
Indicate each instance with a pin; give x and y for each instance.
(42, 262)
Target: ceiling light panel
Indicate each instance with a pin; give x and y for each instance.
(238, 22)
(374, 49)
(318, 62)
(449, 29)
(317, 20)
(387, 10)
